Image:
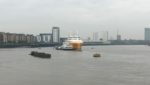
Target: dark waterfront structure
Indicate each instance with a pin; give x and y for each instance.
(56, 35)
(128, 42)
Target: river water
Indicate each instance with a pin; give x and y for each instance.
(119, 65)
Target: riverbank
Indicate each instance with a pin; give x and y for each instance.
(26, 45)
(33, 45)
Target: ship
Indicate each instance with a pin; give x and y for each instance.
(71, 43)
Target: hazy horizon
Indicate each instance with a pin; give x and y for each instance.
(84, 16)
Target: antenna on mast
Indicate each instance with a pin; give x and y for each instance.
(69, 34)
(77, 33)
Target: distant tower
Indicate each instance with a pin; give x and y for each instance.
(55, 35)
(118, 36)
(147, 34)
(95, 36)
(105, 35)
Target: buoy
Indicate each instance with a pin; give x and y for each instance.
(40, 54)
(96, 55)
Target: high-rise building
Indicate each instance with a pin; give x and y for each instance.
(55, 35)
(147, 34)
(95, 36)
(118, 37)
(104, 35)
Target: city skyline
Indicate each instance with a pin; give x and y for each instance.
(35, 16)
(100, 34)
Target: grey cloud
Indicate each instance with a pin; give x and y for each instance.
(35, 16)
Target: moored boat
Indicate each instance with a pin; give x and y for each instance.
(72, 43)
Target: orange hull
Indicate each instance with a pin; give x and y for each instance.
(76, 46)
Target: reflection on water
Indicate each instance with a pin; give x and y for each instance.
(119, 65)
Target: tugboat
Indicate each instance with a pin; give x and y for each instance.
(72, 43)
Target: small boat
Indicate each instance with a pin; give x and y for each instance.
(96, 55)
(40, 54)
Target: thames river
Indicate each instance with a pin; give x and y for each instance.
(118, 65)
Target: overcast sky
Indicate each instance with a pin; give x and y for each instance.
(130, 17)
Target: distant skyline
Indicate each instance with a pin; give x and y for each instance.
(130, 17)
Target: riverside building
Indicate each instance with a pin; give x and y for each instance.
(44, 38)
(16, 38)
